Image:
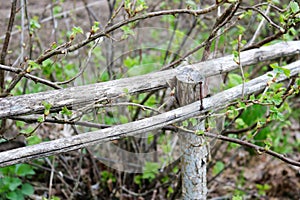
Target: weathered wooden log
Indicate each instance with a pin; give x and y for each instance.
(133, 128)
(189, 84)
(81, 95)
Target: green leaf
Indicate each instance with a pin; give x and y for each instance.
(54, 198)
(77, 30)
(125, 90)
(199, 132)
(34, 23)
(240, 123)
(242, 30)
(127, 31)
(170, 191)
(131, 62)
(150, 170)
(252, 97)
(33, 140)
(191, 4)
(57, 9)
(66, 111)
(137, 179)
(236, 56)
(41, 119)
(104, 76)
(47, 106)
(234, 80)
(166, 148)
(20, 124)
(276, 99)
(253, 113)
(280, 70)
(24, 169)
(95, 27)
(294, 6)
(28, 130)
(219, 166)
(13, 195)
(32, 65)
(286, 72)
(185, 123)
(27, 189)
(12, 182)
(193, 121)
(47, 67)
(237, 197)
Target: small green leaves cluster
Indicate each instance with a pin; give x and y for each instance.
(75, 30)
(149, 172)
(34, 24)
(32, 66)
(132, 8)
(190, 4)
(66, 111)
(95, 28)
(280, 70)
(294, 7)
(127, 31)
(263, 188)
(11, 183)
(265, 109)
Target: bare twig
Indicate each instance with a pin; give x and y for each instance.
(29, 76)
(6, 41)
(259, 28)
(264, 16)
(204, 43)
(281, 32)
(97, 42)
(259, 149)
(240, 64)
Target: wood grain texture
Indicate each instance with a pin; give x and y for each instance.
(215, 102)
(81, 95)
(193, 148)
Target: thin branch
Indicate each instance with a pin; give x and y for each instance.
(259, 28)
(264, 15)
(273, 6)
(258, 149)
(6, 41)
(172, 36)
(221, 21)
(204, 43)
(61, 121)
(97, 42)
(281, 32)
(240, 64)
(29, 76)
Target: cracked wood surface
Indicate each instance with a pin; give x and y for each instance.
(133, 128)
(81, 95)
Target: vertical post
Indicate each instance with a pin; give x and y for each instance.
(194, 151)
